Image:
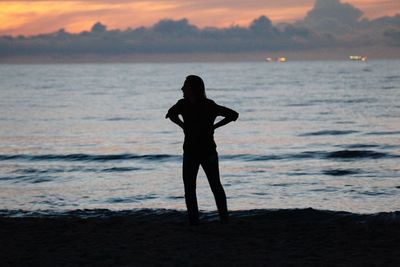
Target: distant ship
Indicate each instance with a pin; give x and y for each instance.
(276, 59)
(358, 58)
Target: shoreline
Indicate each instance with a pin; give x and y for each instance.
(205, 215)
(162, 238)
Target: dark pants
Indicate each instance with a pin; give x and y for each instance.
(209, 163)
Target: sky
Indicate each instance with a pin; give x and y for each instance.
(122, 29)
(36, 16)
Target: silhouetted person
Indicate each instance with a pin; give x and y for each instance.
(199, 114)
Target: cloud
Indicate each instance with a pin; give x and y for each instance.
(347, 26)
(330, 24)
(392, 37)
(332, 16)
(174, 27)
(166, 36)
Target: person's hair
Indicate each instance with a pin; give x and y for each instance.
(196, 85)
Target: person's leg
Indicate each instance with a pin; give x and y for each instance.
(210, 167)
(190, 169)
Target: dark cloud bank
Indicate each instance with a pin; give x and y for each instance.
(330, 29)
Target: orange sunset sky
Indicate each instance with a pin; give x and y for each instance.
(33, 17)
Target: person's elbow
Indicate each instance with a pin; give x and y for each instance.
(234, 116)
(169, 115)
(172, 117)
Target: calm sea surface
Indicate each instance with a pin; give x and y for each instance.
(310, 134)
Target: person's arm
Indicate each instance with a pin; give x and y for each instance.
(173, 114)
(228, 114)
(175, 119)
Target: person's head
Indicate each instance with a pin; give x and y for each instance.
(193, 88)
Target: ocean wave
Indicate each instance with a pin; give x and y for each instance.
(88, 157)
(34, 179)
(352, 146)
(340, 172)
(392, 77)
(48, 174)
(329, 132)
(120, 119)
(346, 154)
(179, 215)
(384, 133)
(251, 157)
(388, 87)
(131, 199)
(340, 154)
(47, 170)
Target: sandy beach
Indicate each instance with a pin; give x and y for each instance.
(303, 237)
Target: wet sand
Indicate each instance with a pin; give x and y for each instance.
(303, 237)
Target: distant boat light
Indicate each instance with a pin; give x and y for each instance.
(358, 58)
(282, 59)
(277, 59)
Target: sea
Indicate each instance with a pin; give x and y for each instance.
(319, 134)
